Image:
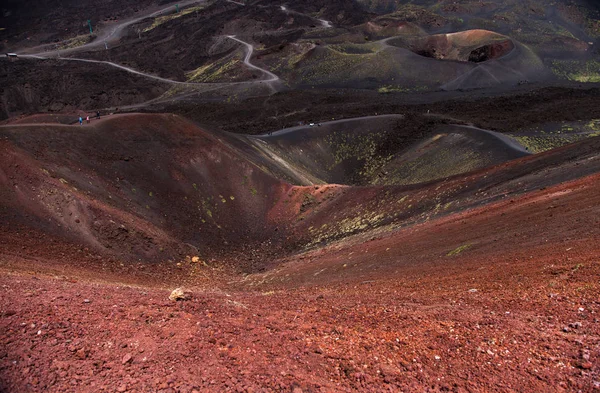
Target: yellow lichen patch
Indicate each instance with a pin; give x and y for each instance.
(574, 70)
(458, 250)
(76, 41)
(212, 72)
(163, 19)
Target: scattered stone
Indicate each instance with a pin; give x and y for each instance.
(566, 329)
(472, 290)
(179, 294)
(127, 358)
(122, 388)
(86, 300)
(575, 325)
(195, 259)
(317, 349)
(585, 365)
(585, 355)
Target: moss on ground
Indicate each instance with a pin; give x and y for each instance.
(363, 148)
(539, 144)
(575, 70)
(165, 18)
(213, 72)
(459, 250)
(387, 89)
(538, 141)
(75, 42)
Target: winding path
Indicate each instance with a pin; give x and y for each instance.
(324, 23)
(250, 49)
(290, 130)
(108, 35)
(121, 67)
(117, 31)
(506, 140)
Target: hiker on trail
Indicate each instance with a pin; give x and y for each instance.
(88, 119)
(98, 115)
(80, 120)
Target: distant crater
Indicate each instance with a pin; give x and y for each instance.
(474, 46)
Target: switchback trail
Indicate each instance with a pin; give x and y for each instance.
(249, 47)
(109, 34)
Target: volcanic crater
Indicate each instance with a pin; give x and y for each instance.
(474, 46)
(348, 200)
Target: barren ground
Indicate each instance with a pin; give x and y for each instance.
(427, 250)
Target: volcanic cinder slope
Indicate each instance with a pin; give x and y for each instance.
(346, 288)
(346, 194)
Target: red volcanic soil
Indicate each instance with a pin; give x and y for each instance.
(59, 118)
(472, 45)
(486, 281)
(157, 183)
(513, 314)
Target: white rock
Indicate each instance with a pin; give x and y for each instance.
(179, 294)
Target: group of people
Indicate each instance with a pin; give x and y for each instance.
(87, 119)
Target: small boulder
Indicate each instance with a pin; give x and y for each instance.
(585, 365)
(127, 358)
(179, 294)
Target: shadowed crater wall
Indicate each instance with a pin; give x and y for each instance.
(469, 46)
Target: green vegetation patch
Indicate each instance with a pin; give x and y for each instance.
(164, 19)
(414, 13)
(539, 144)
(354, 49)
(579, 71)
(330, 65)
(212, 72)
(399, 89)
(75, 42)
(458, 250)
(558, 135)
(363, 148)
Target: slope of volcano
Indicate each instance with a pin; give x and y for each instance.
(311, 288)
(317, 196)
(147, 181)
(155, 188)
(495, 47)
(382, 150)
